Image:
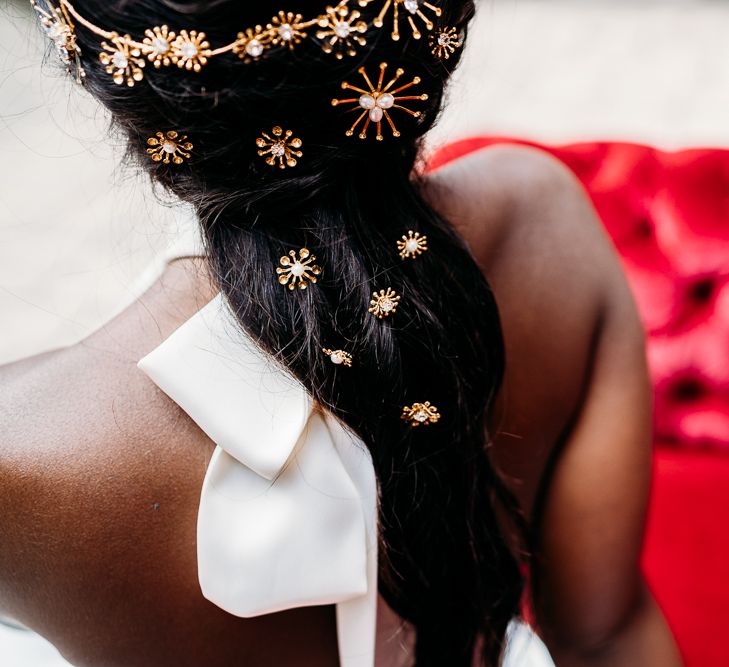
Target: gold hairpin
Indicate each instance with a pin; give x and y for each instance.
(166, 146)
(377, 102)
(384, 303)
(158, 46)
(420, 413)
(412, 245)
(341, 30)
(298, 269)
(412, 7)
(286, 28)
(444, 42)
(60, 30)
(338, 357)
(122, 60)
(280, 147)
(191, 50)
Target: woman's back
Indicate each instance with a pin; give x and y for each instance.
(109, 477)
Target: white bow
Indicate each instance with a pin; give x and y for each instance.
(288, 508)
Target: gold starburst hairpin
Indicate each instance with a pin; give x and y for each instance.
(279, 147)
(339, 357)
(166, 146)
(384, 303)
(444, 42)
(158, 46)
(286, 28)
(412, 245)
(420, 413)
(378, 100)
(298, 269)
(191, 50)
(122, 60)
(60, 30)
(412, 8)
(341, 30)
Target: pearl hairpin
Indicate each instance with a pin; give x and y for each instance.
(420, 413)
(412, 245)
(338, 357)
(166, 146)
(379, 100)
(298, 269)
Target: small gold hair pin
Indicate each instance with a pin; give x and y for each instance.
(279, 147)
(412, 245)
(444, 42)
(123, 60)
(298, 269)
(384, 303)
(420, 413)
(338, 357)
(166, 146)
(379, 100)
(340, 31)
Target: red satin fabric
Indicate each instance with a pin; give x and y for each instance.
(668, 215)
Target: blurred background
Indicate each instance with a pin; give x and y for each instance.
(623, 91)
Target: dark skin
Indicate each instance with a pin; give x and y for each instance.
(100, 473)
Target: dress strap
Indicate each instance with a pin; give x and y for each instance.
(288, 507)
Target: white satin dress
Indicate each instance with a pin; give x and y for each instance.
(288, 506)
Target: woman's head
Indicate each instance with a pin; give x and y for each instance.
(445, 566)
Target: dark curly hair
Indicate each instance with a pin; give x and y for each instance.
(445, 565)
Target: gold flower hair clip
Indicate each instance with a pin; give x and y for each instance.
(59, 28)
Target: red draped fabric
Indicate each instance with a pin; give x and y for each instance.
(668, 215)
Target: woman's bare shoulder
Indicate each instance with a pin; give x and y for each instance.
(101, 475)
(559, 285)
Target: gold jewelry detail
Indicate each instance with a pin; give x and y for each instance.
(285, 28)
(60, 30)
(158, 46)
(444, 42)
(166, 146)
(339, 357)
(298, 270)
(122, 59)
(279, 147)
(378, 100)
(412, 8)
(251, 44)
(384, 303)
(341, 30)
(412, 245)
(191, 50)
(420, 413)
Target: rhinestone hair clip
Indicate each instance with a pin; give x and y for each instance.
(339, 31)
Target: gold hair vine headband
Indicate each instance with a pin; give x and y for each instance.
(339, 32)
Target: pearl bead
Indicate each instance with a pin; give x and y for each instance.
(376, 114)
(297, 269)
(367, 101)
(188, 50)
(286, 32)
(337, 358)
(254, 48)
(342, 29)
(160, 46)
(411, 245)
(169, 147)
(119, 60)
(385, 101)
